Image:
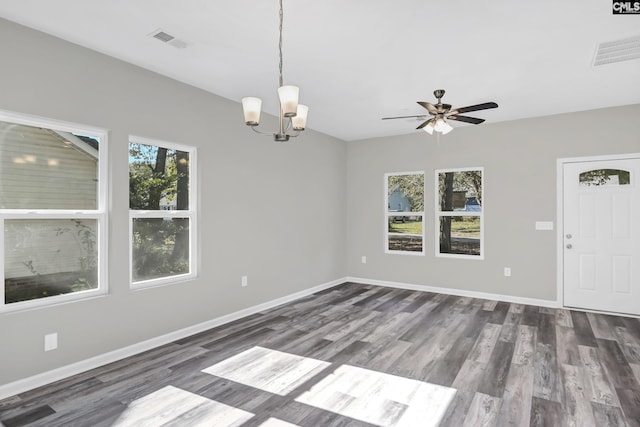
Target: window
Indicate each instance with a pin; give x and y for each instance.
(404, 213)
(161, 212)
(53, 211)
(600, 177)
(459, 213)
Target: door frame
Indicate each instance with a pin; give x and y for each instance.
(560, 213)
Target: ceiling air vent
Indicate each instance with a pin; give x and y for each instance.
(167, 38)
(163, 37)
(617, 51)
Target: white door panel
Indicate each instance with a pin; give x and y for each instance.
(601, 235)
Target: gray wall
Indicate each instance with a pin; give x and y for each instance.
(519, 160)
(282, 249)
(337, 209)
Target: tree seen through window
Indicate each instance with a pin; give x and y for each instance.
(158, 183)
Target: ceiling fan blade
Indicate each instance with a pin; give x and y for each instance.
(485, 106)
(405, 117)
(466, 119)
(430, 107)
(425, 123)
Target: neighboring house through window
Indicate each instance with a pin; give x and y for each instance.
(404, 213)
(162, 212)
(53, 211)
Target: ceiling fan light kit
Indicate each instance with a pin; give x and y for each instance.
(443, 112)
(289, 107)
(429, 128)
(439, 126)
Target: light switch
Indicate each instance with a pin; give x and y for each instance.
(544, 225)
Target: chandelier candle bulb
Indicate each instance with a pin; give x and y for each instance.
(288, 100)
(251, 107)
(299, 121)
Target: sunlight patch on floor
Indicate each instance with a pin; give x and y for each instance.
(379, 398)
(358, 393)
(268, 370)
(171, 405)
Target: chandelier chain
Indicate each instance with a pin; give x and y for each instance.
(280, 46)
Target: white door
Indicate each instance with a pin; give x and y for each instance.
(601, 235)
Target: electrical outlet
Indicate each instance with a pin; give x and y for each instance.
(364, 259)
(244, 281)
(50, 342)
(507, 272)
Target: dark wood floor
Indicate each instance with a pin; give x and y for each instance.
(358, 355)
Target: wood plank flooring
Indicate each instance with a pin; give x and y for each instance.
(359, 355)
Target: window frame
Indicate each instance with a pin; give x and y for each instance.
(99, 214)
(439, 214)
(190, 214)
(388, 214)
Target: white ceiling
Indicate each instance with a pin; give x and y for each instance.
(359, 60)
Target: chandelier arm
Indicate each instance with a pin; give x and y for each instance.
(253, 128)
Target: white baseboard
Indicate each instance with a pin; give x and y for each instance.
(457, 292)
(63, 372)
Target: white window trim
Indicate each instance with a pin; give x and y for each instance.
(439, 214)
(191, 214)
(99, 214)
(388, 214)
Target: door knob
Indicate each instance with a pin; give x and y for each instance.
(569, 246)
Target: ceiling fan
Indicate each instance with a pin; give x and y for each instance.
(442, 112)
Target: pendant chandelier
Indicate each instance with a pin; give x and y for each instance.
(292, 117)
